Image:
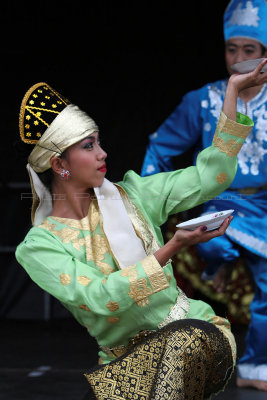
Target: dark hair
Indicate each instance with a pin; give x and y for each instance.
(47, 176)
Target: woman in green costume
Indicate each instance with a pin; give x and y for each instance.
(97, 247)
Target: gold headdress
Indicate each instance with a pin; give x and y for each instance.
(51, 123)
(40, 106)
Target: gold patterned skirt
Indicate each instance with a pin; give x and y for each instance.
(187, 359)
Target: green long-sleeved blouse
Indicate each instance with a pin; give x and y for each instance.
(72, 260)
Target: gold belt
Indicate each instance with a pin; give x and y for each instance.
(118, 351)
(249, 190)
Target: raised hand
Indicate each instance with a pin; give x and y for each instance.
(250, 79)
(239, 82)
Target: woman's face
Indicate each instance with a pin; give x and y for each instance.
(239, 49)
(86, 162)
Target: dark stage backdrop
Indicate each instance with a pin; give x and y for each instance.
(127, 64)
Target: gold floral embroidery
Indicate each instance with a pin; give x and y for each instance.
(104, 281)
(83, 280)
(46, 224)
(113, 320)
(130, 272)
(112, 306)
(95, 247)
(84, 307)
(105, 268)
(67, 234)
(65, 279)
(221, 177)
(231, 147)
(139, 291)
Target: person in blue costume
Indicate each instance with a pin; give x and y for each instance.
(192, 124)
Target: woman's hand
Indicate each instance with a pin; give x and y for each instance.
(184, 238)
(188, 238)
(250, 79)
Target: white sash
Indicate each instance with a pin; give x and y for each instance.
(126, 246)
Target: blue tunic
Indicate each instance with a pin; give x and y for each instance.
(193, 123)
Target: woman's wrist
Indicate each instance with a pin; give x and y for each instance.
(167, 251)
(230, 100)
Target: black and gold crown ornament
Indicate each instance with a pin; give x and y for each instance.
(40, 106)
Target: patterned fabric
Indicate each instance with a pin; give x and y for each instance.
(243, 18)
(187, 359)
(40, 106)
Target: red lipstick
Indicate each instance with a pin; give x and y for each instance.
(103, 168)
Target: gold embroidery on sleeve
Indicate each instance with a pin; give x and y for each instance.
(84, 307)
(139, 289)
(65, 279)
(113, 320)
(156, 276)
(112, 306)
(130, 272)
(221, 177)
(231, 147)
(226, 125)
(140, 292)
(83, 280)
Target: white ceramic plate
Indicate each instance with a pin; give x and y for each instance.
(211, 221)
(248, 66)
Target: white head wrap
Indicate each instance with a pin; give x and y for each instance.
(69, 127)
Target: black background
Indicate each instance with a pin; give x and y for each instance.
(127, 64)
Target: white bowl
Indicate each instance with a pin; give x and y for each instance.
(211, 221)
(248, 66)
